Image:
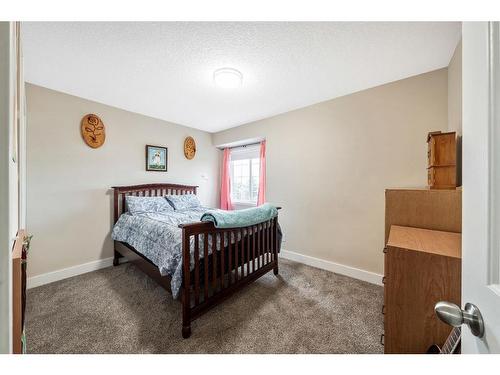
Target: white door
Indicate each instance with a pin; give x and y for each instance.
(5, 218)
(481, 182)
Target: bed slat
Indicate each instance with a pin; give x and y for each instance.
(264, 245)
(253, 247)
(196, 269)
(259, 244)
(214, 262)
(222, 263)
(268, 241)
(248, 250)
(230, 258)
(262, 242)
(242, 249)
(205, 264)
(264, 250)
(236, 261)
(272, 241)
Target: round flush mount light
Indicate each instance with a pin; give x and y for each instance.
(228, 78)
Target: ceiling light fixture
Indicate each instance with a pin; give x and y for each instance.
(228, 78)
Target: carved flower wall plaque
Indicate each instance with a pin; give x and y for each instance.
(93, 130)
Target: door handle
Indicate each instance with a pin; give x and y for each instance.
(454, 316)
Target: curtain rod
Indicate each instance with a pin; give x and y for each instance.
(242, 146)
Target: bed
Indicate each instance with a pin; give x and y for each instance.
(198, 263)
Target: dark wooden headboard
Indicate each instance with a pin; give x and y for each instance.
(146, 190)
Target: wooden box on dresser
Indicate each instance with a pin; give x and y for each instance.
(442, 160)
(422, 266)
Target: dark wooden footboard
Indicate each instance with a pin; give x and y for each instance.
(217, 262)
(224, 260)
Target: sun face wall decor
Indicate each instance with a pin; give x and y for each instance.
(189, 148)
(93, 130)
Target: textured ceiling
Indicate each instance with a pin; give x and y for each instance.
(164, 70)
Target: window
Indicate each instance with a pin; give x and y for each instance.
(245, 168)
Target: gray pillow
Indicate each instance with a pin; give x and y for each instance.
(137, 205)
(183, 202)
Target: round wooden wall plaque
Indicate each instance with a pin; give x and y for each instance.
(189, 148)
(93, 130)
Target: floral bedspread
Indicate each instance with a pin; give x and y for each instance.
(158, 237)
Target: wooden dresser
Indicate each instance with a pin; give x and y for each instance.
(422, 265)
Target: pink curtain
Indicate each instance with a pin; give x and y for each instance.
(262, 175)
(225, 186)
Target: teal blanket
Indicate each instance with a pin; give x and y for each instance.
(240, 218)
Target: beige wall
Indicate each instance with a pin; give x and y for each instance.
(69, 201)
(328, 164)
(455, 91)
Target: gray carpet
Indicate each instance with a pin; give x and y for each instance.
(121, 310)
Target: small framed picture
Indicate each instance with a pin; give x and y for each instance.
(156, 158)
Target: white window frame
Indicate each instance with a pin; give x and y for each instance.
(244, 153)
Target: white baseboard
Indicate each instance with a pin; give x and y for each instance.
(356, 273)
(50, 277)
